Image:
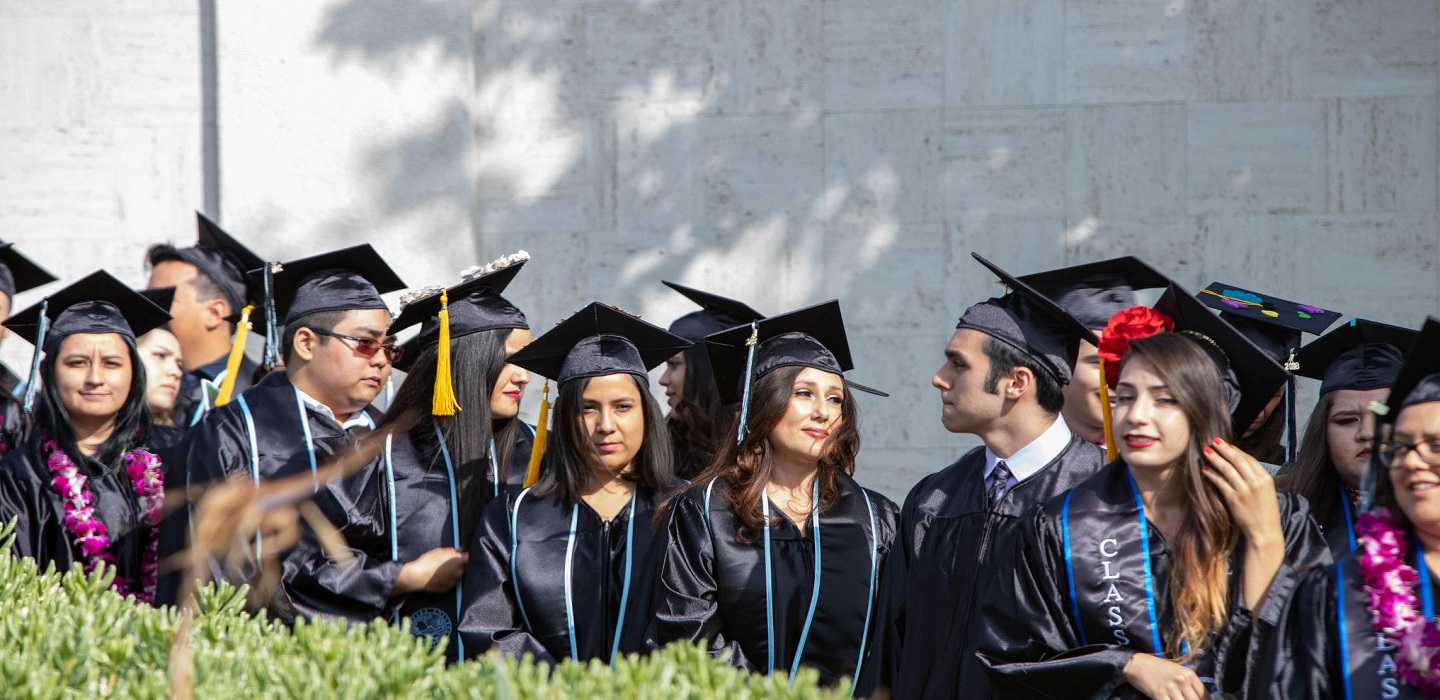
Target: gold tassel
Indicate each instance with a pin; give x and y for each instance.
(444, 403)
(237, 353)
(532, 472)
(1111, 452)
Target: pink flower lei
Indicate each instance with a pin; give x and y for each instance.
(1394, 606)
(90, 534)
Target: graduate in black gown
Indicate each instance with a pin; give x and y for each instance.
(1276, 326)
(697, 414)
(1356, 364)
(1326, 641)
(212, 290)
(81, 483)
(565, 568)
(1092, 293)
(774, 555)
(17, 274)
(1002, 381)
(1142, 581)
(337, 359)
(407, 515)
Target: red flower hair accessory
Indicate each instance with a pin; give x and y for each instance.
(1131, 324)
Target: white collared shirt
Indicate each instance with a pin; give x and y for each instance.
(1033, 457)
(361, 419)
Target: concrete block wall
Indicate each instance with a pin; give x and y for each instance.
(781, 151)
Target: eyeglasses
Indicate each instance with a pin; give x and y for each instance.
(366, 347)
(1392, 453)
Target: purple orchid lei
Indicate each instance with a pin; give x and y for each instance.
(90, 534)
(1394, 605)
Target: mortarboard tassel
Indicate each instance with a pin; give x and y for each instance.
(749, 368)
(444, 403)
(237, 353)
(34, 383)
(542, 425)
(272, 324)
(1111, 452)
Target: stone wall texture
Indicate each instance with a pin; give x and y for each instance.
(784, 152)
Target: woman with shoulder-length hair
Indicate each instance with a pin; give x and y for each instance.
(697, 413)
(1356, 364)
(773, 556)
(1364, 628)
(82, 483)
(563, 568)
(453, 442)
(1146, 575)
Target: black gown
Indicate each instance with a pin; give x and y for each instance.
(1088, 592)
(552, 579)
(1324, 647)
(40, 532)
(1339, 527)
(391, 512)
(12, 393)
(199, 385)
(950, 546)
(288, 438)
(713, 586)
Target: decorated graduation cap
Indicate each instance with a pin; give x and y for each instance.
(1251, 376)
(477, 306)
(599, 340)
(1359, 355)
(19, 273)
(1094, 292)
(97, 303)
(1031, 323)
(810, 337)
(716, 314)
(1272, 323)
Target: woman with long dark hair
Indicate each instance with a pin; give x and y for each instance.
(82, 484)
(563, 569)
(697, 414)
(1364, 628)
(452, 443)
(774, 553)
(1146, 574)
(1356, 364)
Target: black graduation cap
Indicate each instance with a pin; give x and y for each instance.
(19, 273)
(1359, 355)
(475, 305)
(1272, 323)
(98, 303)
(222, 259)
(162, 297)
(810, 337)
(1031, 322)
(341, 280)
(716, 314)
(599, 340)
(1094, 292)
(1419, 378)
(1256, 374)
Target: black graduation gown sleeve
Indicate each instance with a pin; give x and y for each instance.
(1301, 660)
(358, 590)
(491, 619)
(687, 599)
(1031, 646)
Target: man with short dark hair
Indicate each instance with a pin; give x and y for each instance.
(337, 359)
(211, 289)
(1002, 381)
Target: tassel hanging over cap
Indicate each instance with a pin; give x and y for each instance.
(444, 403)
(237, 353)
(542, 425)
(34, 383)
(1111, 452)
(271, 357)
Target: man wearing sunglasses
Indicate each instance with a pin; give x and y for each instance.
(296, 421)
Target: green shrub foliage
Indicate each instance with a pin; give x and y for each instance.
(68, 635)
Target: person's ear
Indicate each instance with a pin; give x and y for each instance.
(1022, 380)
(215, 312)
(306, 344)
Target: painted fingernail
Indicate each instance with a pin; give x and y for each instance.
(1209, 451)
(1217, 440)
